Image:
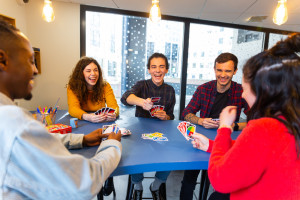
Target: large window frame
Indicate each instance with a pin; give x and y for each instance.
(187, 22)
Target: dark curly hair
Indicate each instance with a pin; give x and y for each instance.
(77, 82)
(274, 77)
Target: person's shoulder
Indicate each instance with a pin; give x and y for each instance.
(236, 85)
(265, 123)
(106, 84)
(169, 86)
(11, 115)
(207, 86)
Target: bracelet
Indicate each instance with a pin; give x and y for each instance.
(226, 126)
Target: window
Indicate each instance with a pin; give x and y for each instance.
(225, 39)
(126, 43)
(123, 43)
(111, 68)
(275, 38)
(220, 40)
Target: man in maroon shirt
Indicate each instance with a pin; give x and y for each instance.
(210, 98)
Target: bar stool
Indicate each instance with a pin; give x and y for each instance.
(130, 188)
(204, 185)
(101, 193)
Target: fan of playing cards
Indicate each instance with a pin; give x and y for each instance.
(155, 108)
(187, 129)
(114, 128)
(105, 110)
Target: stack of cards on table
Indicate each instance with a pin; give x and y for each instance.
(59, 128)
(114, 128)
(187, 129)
(105, 111)
(155, 108)
(154, 136)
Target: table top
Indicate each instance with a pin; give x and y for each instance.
(140, 155)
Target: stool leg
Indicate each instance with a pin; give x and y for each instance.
(203, 173)
(100, 195)
(130, 186)
(204, 185)
(163, 190)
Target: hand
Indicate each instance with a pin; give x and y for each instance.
(161, 114)
(209, 123)
(201, 142)
(228, 115)
(94, 118)
(147, 104)
(94, 138)
(111, 117)
(114, 136)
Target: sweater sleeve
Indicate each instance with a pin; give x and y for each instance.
(74, 105)
(110, 98)
(136, 88)
(231, 168)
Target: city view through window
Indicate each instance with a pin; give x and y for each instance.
(122, 45)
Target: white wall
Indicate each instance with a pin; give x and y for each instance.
(59, 44)
(10, 8)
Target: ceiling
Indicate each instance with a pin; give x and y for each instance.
(229, 11)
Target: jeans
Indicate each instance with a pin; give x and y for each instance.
(136, 178)
(188, 184)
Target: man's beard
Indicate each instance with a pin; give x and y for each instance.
(28, 97)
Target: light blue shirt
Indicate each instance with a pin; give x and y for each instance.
(36, 165)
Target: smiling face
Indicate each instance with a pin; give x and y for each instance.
(224, 73)
(157, 70)
(248, 94)
(91, 75)
(21, 69)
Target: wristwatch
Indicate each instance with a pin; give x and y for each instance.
(236, 126)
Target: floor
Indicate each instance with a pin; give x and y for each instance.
(173, 186)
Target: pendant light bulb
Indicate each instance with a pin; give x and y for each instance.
(155, 14)
(280, 16)
(48, 13)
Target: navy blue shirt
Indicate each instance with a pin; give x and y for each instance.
(147, 89)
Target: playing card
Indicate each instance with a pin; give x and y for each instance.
(125, 131)
(98, 112)
(161, 108)
(157, 134)
(160, 139)
(186, 129)
(190, 130)
(111, 110)
(215, 120)
(155, 99)
(152, 111)
(147, 136)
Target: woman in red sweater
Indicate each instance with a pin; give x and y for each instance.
(264, 161)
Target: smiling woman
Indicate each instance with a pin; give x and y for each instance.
(88, 92)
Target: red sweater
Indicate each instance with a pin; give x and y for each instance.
(262, 163)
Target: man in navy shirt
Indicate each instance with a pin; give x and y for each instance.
(140, 96)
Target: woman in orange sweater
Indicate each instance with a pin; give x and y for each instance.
(87, 92)
(264, 161)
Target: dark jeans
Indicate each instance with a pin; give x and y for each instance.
(219, 196)
(188, 184)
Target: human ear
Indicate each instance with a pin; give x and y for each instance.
(3, 60)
